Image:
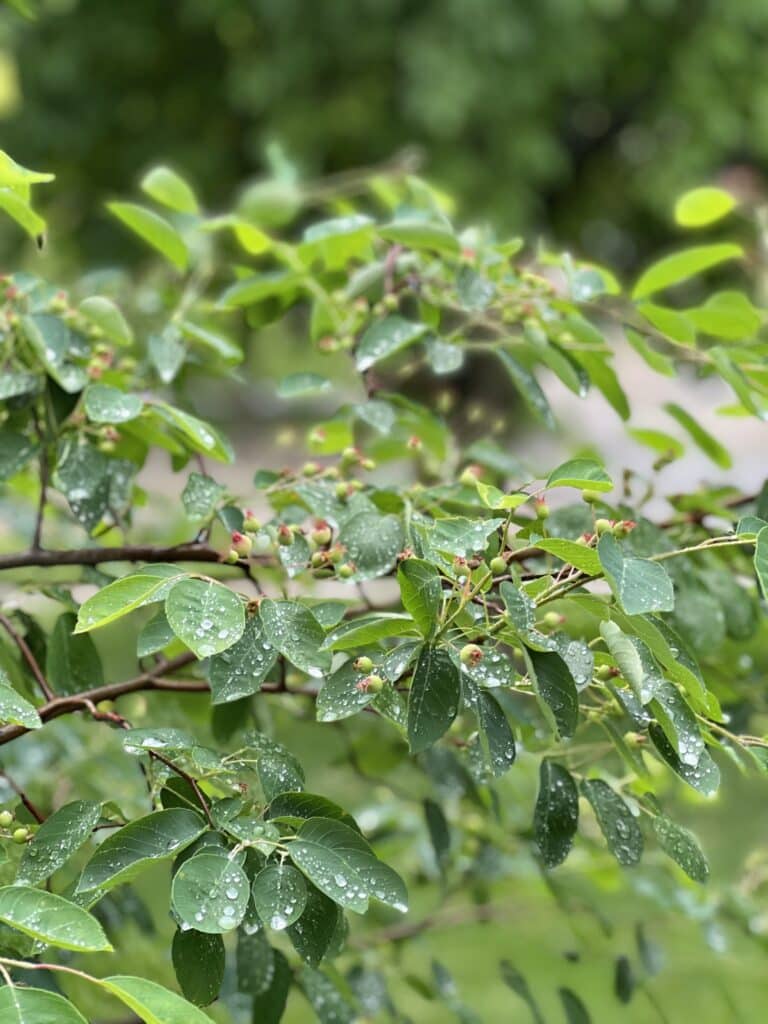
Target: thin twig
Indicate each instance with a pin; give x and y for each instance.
(28, 656)
(36, 814)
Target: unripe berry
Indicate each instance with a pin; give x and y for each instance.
(6, 817)
(250, 522)
(471, 654)
(105, 705)
(350, 455)
(362, 664)
(311, 468)
(591, 496)
(390, 302)
(346, 569)
(328, 344)
(414, 443)
(498, 565)
(470, 476)
(368, 464)
(371, 684)
(603, 526)
(336, 553)
(542, 509)
(20, 835)
(231, 557)
(342, 491)
(241, 543)
(318, 559)
(604, 672)
(321, 534)
(623, 527)
(552, 619)
(284, 535)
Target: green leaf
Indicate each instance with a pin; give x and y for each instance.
(703, 206)
(496, 740)
(330, 1005)
(120, 598)
(367, 629)
(577, 555)
(575, 1010)
(53, 344)
(51, 919)
(420, 233)
(151, 1002)
(14, 709)
(313, 933)
(210, 893)
(492, 497)
(683, 847)
(638, 584)
(268, 1006)
(704, 776)
(298, 385)
(126, 852)
(341, 864)
(658, 362)
(72, 663)
(198, 435)
(634, 660)
(529, 388)
(13, 175)
(154, 230)
(207, 616)
(255, 960)
(167, 352)
(373, 543)
(658, 441)
(728, 314)
(421, 593)
(295, 807)
(198, 961)
(167, 187)
(555, 686)
(104, 314)
(516, 981)
(433, 701)
(37, 1006)
(581, 473)
(603, 376)
(294, 631)
(19, 210)
(56, 840)
(15, 452)
(556, 815)
(201, 496)
(670, 322)
(342, 695)
(384, 338)
(240, 670)
(279, 895)
(105, 404)
(679, 266)
(702, 438)
(678, 722)
(616, 821)
(761, 560)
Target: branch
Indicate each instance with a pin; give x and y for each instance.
(28, 656)
(128, 553)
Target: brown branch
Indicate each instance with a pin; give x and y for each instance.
(28, 656)
(128, 553)
(36, 814)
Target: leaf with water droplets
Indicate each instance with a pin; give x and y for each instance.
(556, 815)
(704, 776)
(421, 593)
(279, 895)
(636, 663)
(639, 585)
(678, 723)
(210, 893)
(554, 684)
(384, 338)
(59, 836)
(198, 961)
(683, 847)
(578, 555)
(14, 709)
(433, 701)
(343, 694)
(368, 629)
(761, 559)
(241, 669)
(207, 616)
(123, 596)
(313, 933)
(496, 740)
(51, 919)
(616, 821)
(293, 808)
(105, 404)
(268, 1006)
(373, 543)
(579, 658)
(151, 1002)
(341, 864)
(36, 1006)
(201, 496)
(294, 631)
(125, 853)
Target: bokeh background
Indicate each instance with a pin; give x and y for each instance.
(577, 121)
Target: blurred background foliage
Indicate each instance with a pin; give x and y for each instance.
(576, 118)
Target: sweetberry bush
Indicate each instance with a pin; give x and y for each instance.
(517, 663)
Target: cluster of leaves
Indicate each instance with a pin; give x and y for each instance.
(458, 610)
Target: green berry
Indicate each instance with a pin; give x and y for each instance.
(6, 817)
(284, 535)
(591, 496)
(469, 477)
(471, 654)
(362, 664)
(321, 534)
(311, 468)
(542, 510)
(232, 557)
(250, 523)
(552, 619)
(241, 543)
(603, 526)
(498, 565)
(346, 570)
(373, 684)
(20, 835)
(604, 672)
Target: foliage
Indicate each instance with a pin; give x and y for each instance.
(420, 596)
(589, 146)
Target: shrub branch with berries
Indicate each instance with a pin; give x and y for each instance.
(518, 663)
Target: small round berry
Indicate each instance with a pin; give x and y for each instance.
(498, 565)
(284, 535)
(250, 522)
(342, 491)
(373, 684)
(542, 509)
(311, 469)
(336, 553)
(231, 557)
(414, 443)
(552, 620)
(591, 496)
(6, 817)
(471, 654)
(346, 570)
(318, 559)
(603, 526)
(623, 528)
(362, 664)
(470, 476)
(368, 464)
(604, 672)
(241, 543)
(321, 534)
(20, 835)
